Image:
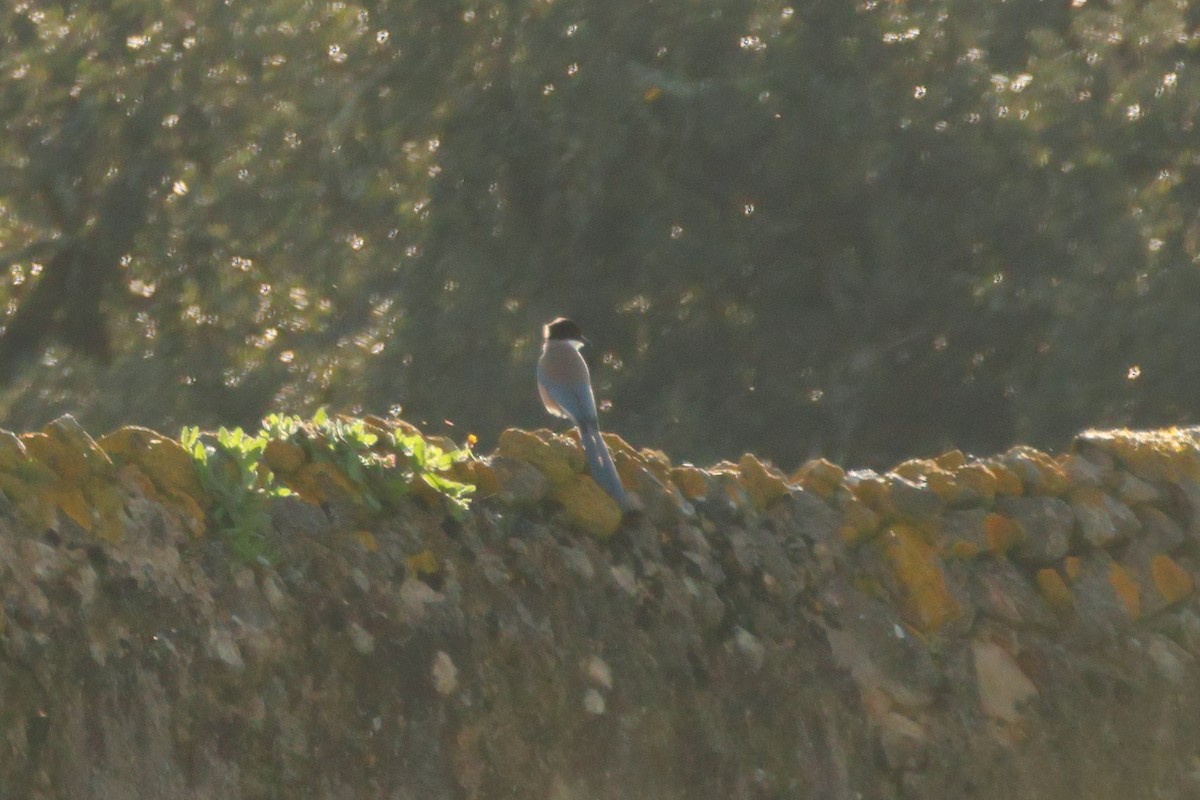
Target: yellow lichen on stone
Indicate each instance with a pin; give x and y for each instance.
(12, 452)
(13, 487)
(874, 492)
(284, 457)
(927, 472)
(616, 445)
(690, 482)
(589, 506)
(727, 485)
(915, 563)
(320, 481)
(422, 563)
(858, 521)
(1007, 481)
(71, 502)
(975, 481)
(1169, 455)
(559, 458)
(764, 485)
(1002, 533)
(1126, 589)
(38, 511)
(77, 453)
(107, 509)
(164, 461)
(1172, 581)
(915, 469)
(950, 460)
(1038, 471)
(654, 460)
(820, 477)
(944, 485)
(367, 541)
(70, 466)
(963, 549)
(1072, 566)
(1054, 590)
(629, 468)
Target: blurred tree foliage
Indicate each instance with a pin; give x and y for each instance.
(860, 230)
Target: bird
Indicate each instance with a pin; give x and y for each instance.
(566, 390)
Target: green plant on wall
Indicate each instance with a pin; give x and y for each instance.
(229, 465)
(383, 469)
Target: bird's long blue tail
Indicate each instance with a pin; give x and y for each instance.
(600, 463)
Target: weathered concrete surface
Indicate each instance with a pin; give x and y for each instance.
(865, 636)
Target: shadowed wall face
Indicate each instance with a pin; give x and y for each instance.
(858, 231)
(1020, 624)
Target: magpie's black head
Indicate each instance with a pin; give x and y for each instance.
(563, 329)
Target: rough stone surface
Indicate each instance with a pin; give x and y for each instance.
(840, 638)
(1047, 522)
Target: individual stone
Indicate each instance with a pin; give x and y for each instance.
(690, 481)
(514, 482)
(975, 484)
(910, 499)
(916, 469)
(593, 702)
(1054, 591)
(876, 648)
(1002, 591)
(1159, 531)
(1103, 520)
(283, 456)
(951, 460)
(726, 491)
(1107, 598)
(1171, 661)
(1039, 472)
(918, 578)
(558, 458)
(662, 502)
(820, 477)
(1172, 581)
(926, 473)
(750, 647)
(1168, 455)
(444, 674)
(1008, 482)
(1126, 589)
(1161, 581)
(597, 672)
(904, 742)
(1004, 690)
(764, 484)
(222, 647)
(361, 639)
(75, 453)
(1134, 491)
(1047, 523)
(859, 522)
(964, 532)
(589, 506)
(1081, 471)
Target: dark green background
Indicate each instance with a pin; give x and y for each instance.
(861, 230)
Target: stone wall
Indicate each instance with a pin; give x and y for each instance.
(1017, 626)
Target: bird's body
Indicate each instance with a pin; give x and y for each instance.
(566, 390)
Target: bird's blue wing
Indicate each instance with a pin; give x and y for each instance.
(575, 399)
